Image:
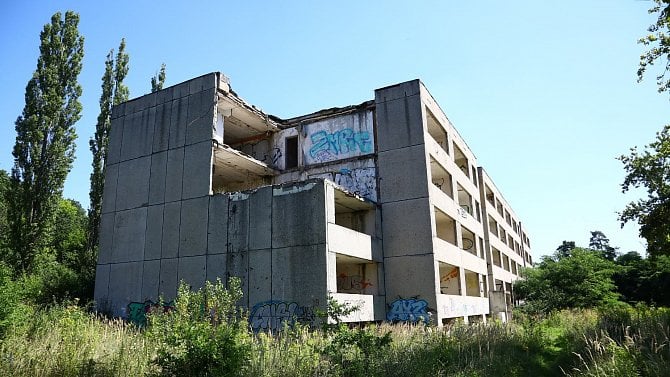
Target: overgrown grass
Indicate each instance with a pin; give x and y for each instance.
(68, 341)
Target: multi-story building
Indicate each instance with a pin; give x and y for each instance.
(381, 204)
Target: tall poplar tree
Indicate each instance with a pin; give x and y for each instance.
(113, 93)
(158, 80)
(45, 139)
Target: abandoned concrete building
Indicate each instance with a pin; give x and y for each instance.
(381, 205)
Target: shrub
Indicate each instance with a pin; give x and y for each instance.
(204, 335)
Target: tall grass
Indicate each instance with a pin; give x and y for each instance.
(68, 341)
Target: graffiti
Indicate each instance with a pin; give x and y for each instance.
(272, 315)
(450, 275)
(349, 283)
(359, 181)
(461, 306)
(408, 310)
(329, 146)
(137, 311)
(276, 155)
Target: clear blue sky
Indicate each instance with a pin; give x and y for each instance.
(545, 93)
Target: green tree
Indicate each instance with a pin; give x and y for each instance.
(600, 242)
(45, 138)
(4, 227)
(564, 249)
(113, 93)
(650, 168)
(658, 41)
(158, 80)
(581, 280)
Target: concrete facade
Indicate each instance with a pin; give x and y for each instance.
(381, 205)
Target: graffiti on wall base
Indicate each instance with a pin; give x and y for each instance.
(272, 315)
(137, 311)
(408, 310)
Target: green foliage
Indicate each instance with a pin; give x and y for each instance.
(641, 280)
(600, 242)
(357, 351)
(581, 280)
(658, 41)
(45, 135)
(205, 334)
(632, 341)
(113, 93)
(158, 80)
(65, 340)
(13, 311)
(650, 169)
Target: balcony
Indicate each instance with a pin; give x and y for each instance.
(452, 306)
(369, 307)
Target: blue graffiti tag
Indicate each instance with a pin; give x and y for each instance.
(408, 310)
(271, 315)
(341, 142)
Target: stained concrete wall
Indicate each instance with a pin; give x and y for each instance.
(156, 197)
(160, 223)
(407, 215)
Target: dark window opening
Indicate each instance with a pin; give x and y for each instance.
(291, 159)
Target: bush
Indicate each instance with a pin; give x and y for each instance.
(204, 335)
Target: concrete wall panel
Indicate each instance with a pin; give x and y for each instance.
(399, 123)
(106, 238)
(164, 95)
(193, 227)
(180, 90)
(115, 140)
(168, 279)
(403, 174)
(138, 134)
(109, 191)
(162, 127)
(217, 226)
(192, 270)
(238, 224)
(154, 235)
(237, 264)
(260, 276)
(125, 286)
(406, 226)
(260, 219)
(216, 267)
(200, 126)
(398, 91)
(161, 140)
(197, 170)
(132, 189)
(129, 235)
(171, 221)
(102, 287)
(298, 213)
(402, 282)
(201, 83)
(174, 177)
(157, 178)
(151, 280)
(291, 281)
(178, 113)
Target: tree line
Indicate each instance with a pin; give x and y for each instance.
(45, 237)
